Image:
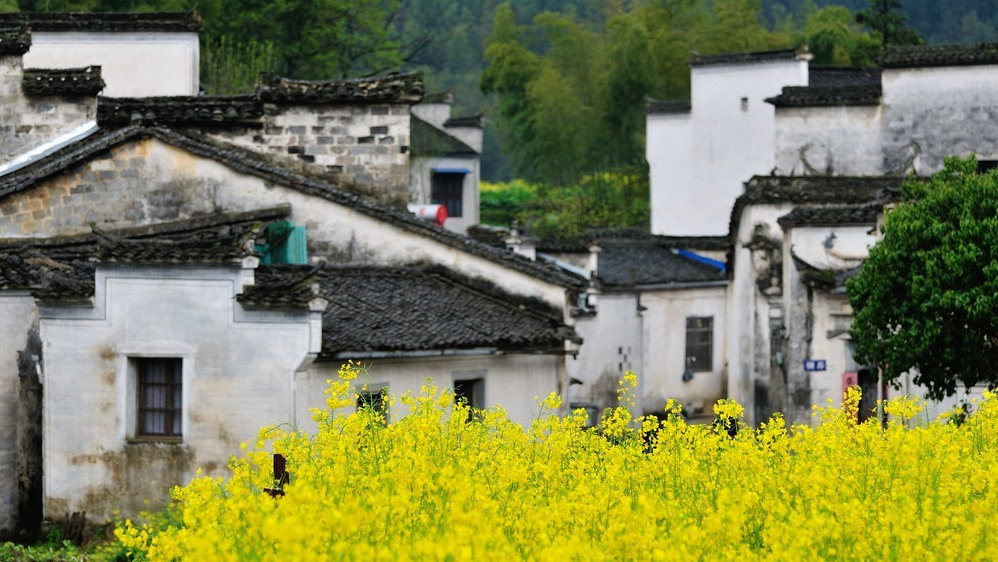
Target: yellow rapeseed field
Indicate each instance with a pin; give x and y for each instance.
(436, 486)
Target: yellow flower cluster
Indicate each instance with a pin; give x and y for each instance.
(440, 485)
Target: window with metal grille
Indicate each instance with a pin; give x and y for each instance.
(699, 343)
(159, 404)
(447, 189)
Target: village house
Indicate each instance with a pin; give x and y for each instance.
(180, 270)
(794, 164)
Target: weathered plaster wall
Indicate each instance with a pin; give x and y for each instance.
(755, 311)
(132, 64)
(26, 122)
(362, 145)
(420, 188)
(18, 317)
(830, 141)
(664, 357)
(612, 346)
(511, 381)
(729, 140)
(148, 181)
(934, 112)
(237, 376)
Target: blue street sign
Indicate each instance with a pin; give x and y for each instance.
(814, 365)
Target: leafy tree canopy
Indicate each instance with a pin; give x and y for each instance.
(927, 297)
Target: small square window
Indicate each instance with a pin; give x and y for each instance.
(472, 393)
(699, 344)
(159, 402)
(985, 166)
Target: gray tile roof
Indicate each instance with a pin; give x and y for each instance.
(392, 88)
(831, 76)
(834, 215)
(180, 110)
(248, 162)
(624, 264)
(940, 55)
(62, 268)
(400, 309)
(666, 107)
(748, 58)
(62, 81)
(104, 21)
(14, 40)
(807, 96)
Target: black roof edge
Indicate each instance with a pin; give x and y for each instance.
(666, 107)
(14, 40)
(106, 21)
(797, 53)
(915, 56)
(827, 96)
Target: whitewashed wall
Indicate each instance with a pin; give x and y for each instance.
(934, 112)
(693, 190)
(420, 187)
(612, 345)
(132, 64)
(664, 359)
(511, 381)
(237, 376)
(833, 141)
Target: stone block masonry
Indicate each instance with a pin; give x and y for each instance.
(361, 145)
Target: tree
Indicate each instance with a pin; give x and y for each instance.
(885, 19)
(927, 297)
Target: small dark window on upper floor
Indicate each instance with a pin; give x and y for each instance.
(472, 393)
(447, 189)
(159, 404)
(985, 166)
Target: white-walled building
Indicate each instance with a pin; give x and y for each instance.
(812, 174)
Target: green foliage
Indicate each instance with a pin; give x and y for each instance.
(888, 23)
(834, 38)
(231, 66)
(927, 298)
(596, 200)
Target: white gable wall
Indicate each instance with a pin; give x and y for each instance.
(132, 64)
(730, 141)
(238, 371)
(832, 141)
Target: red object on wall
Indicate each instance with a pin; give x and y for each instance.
(436, 213)
(848, 380)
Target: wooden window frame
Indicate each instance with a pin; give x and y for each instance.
(699, 356)
(446, 196)
(173, 395)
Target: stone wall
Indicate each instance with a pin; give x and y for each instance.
(363, 146)
(26, 122)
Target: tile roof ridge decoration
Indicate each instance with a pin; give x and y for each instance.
(666, 107)
(915, 56)
(248, 162)
(243, 109)
(394, 87)
(476, 121)
(62, 81)
(425, 139)
(14, 40)
(832, 215)
(119, 22)
(827, 96)
(800, 53)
